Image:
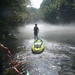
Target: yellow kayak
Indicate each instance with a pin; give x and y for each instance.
(38, 46)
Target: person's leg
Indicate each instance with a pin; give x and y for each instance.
(35, 35)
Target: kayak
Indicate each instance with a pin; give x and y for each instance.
(38, 46)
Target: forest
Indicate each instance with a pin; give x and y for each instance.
(58, 11)
(17, 12)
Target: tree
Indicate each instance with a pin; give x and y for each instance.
(13, 12)
(56, 11)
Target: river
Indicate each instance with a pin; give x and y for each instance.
(59, 54)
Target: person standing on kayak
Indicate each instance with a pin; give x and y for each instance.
(36, 30)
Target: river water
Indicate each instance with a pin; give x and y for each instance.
(58, 58)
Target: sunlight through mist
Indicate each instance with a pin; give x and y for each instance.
(36, 3)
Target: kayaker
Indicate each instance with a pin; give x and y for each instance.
(36, 30)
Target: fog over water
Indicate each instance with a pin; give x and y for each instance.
(59, 54)
(62, 33)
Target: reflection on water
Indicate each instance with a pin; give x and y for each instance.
(59, 54)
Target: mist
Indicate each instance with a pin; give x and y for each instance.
(50, 32)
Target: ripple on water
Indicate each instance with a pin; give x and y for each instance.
(53, 59)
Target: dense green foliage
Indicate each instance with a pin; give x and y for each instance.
(33, 14)
(56, 11)
(16, 12)
(13, 12)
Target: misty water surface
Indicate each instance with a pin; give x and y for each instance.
(50, 32)
(58, 56)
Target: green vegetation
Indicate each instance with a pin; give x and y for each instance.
(16, 12)
(13, 12)
(56, 11)
(33, 14)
